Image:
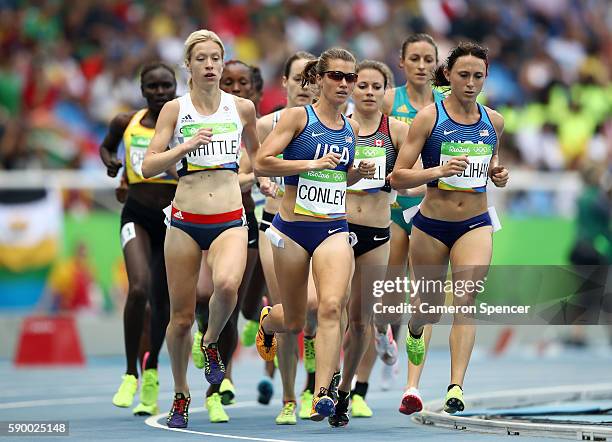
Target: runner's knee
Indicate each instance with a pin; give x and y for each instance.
(227, 286)
(330, 310)
(182, 322)
(137, 292)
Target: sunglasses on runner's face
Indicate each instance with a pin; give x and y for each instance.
(350, 77)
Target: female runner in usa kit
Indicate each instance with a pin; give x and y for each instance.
(297, 95)
(204, 129)
(142, 234)
(369, 215)
(458, 142)
(318, 147)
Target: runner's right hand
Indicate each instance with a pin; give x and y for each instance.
(112, 166)
(455, 166)
(201, 137)
(329, 161)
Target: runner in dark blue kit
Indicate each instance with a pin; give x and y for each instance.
(458, 142)
(318, 147)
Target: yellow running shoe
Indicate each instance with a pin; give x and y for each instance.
(216, 413)
(359, 407)
(454, 400)
(227, 392)
(287, 414)
(266, 344)
(196, 350)
(305, 403)
(309, 355)
(125, 394)
(249, 333)
(149, 391)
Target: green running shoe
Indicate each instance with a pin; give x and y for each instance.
(196, 350)
(287, 414)
(454, 400)
(415, 347)
(359, 407)
(249, 333)
(125, 394)
(227, 392)
(305, 404)
(149, 391)
(309, 355)
(216, 413)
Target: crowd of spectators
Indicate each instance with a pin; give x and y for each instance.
(68, 66)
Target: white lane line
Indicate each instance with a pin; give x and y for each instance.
(153, 422)
(50, 402)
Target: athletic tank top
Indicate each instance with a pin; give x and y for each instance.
(377, 147)
(321, 193)
(402, 109)
(136, 139)
(223, 151)
(316, 140)
(449, 138)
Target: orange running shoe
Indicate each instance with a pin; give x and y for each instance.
(266, 344)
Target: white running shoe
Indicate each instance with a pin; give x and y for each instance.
(386, 347)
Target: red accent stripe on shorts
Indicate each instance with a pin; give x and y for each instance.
(196, 218)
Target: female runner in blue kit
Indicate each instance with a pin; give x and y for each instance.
(458, 143)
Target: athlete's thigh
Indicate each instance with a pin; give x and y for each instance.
(227, 256)
(369, 268)
(428, 266)
(205, 283)
(400, 241)
(137, 255)
(267, 263)
(182, 256)
(291, 265)
(332, 267)
(470, 258)
(474, 248)
(312, 289)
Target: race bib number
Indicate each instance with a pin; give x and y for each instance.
(321, 193)
(138, 148)
(128, 233)
(376, 155)
(222, 151)
(472, 179)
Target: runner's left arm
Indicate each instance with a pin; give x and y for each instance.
(499, 174)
